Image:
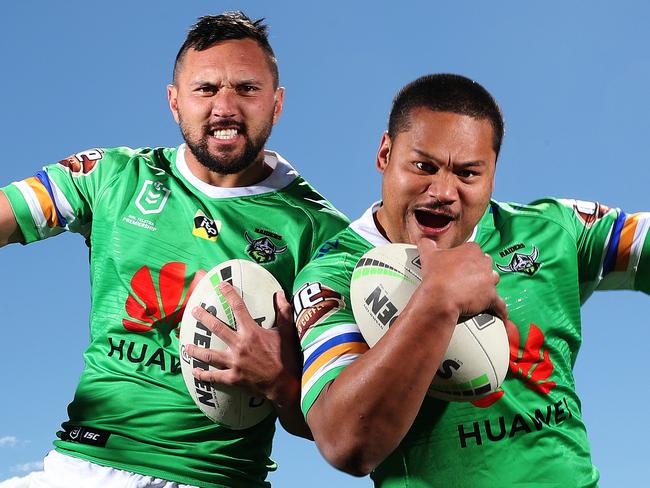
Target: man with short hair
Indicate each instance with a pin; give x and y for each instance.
(156, 219)
(368, 409)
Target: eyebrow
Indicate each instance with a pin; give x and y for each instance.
(464, 164)
(246, 81)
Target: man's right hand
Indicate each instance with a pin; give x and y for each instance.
(9, 230)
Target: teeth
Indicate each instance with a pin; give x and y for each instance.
(225, 133)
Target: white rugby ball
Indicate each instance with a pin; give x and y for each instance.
(230, 406)
(476, 361)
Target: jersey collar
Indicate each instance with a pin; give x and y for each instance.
(281, 176)
(365, 226)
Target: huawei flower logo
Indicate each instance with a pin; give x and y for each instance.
(532, 364)
(158, 305)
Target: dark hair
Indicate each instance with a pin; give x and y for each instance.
(212, 29)
(446, 93)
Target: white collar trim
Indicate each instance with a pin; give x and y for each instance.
(365, 226)
(281, 176)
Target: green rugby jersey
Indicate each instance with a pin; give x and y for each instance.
(551, 255)
(154, 229)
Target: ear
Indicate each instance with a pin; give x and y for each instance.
(172, 98)
(279, 100)
(383, 154)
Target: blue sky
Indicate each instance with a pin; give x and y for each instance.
(572, 79)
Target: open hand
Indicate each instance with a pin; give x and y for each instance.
(264, 361)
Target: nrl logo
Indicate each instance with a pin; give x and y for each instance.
(152, 197)
(74, 433)
(262, 250)
(522, 263)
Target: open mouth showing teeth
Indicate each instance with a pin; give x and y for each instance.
(432, 220)
(225, 134)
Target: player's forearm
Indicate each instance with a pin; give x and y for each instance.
(287, 406)
(366, 411)
(9, 230)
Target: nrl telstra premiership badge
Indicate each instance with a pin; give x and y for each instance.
(152, 197)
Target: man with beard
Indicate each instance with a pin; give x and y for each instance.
(155, 220)
(368, 409)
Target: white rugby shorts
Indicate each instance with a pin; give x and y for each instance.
(61, 471)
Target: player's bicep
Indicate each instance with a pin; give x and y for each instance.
(610, 245)
(624, 252)
(9, 230)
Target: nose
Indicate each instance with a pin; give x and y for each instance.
(442, 187)
(225, 103)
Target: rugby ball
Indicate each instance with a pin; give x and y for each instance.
(230, 406)
(476, 361)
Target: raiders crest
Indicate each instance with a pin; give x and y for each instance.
(262, 250)
(522, 263)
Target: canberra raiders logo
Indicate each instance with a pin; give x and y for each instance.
(262, 250)
(522, 263)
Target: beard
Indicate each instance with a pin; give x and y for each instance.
(227, 164)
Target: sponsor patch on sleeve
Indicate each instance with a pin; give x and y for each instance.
(588, 212)
(313, 303)
(82, 163)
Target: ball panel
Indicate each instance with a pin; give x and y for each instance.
(476, 361)
(230, 406)
(382, 284)
(468, 369)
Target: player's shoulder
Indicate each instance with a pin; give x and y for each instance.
(553, 209)
(567, 215)
(547, 209)
(300, 194)
(112, 160)
(536, 208)
(155, 158)
(335, 259)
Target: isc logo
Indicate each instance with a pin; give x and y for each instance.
(381, 307)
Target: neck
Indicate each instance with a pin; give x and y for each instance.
(253, 174)
(380, 221)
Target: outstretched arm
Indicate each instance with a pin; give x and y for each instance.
(9, 230)
(364, 413)
(264, 361)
